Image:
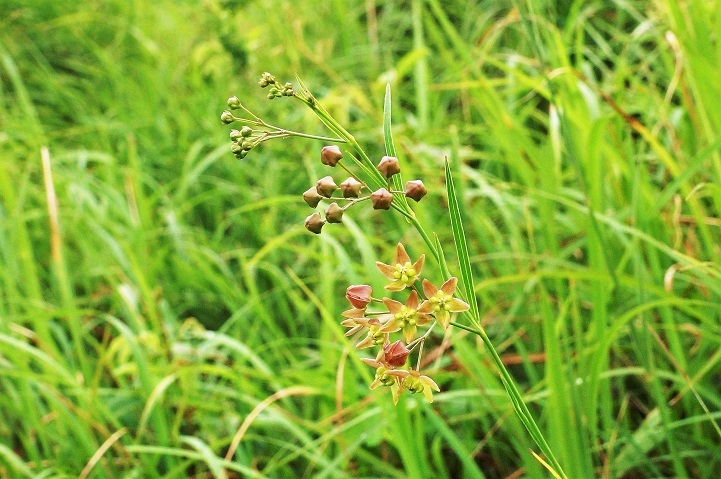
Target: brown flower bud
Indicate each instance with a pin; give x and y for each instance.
(389, 166)
(351, 188)
(330, 155)
(381, 199)
(359, 295)
(334, 213)
(312, 197)
(314, 223)
(326, 186)
(415, 190)
(395, 354)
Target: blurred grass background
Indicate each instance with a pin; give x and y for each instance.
(163, 312)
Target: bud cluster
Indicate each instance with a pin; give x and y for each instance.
(277, 89)
(429, 306)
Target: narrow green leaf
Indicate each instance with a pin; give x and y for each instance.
(459, 237)
(396, 180)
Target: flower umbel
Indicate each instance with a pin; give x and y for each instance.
(441, 301)
(403, 273)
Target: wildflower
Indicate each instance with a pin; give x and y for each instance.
(441, 301)
(413, 382)
(359, 295)
(404, 317)
(395, 354)
(326, 186)
(375, 336)
(330, 155)
(415, 190)
(403, 273)
(389, 166)
(312, 197)
(384, 377)
(314, 223)
(351, 188)
(381, 199)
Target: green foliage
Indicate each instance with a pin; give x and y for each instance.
(178, 321)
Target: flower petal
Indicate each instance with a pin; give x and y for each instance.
(418, 266)
(449, 287)
(424, 319)
(428, 394)
(391, 327)
(396, 285)
(396, 391)
(401, 255)
(371, 362)
(353, 313)
(429, 289)
(426, 307)
(385, 269)
(409, 334)
(392, 305)
(443, 317)
(426, 381)
(457, 305)
(412, 301)
(367, 342)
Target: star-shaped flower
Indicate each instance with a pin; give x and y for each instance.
(403, 273)
(441, 301)
(413, 382)
(406, 317)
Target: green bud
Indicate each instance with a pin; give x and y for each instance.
(246, 131)
(312, 197)
(247, 145)
(314, 223)
(334, 213)
(227, 117)
(233, 103)
(235, 148)
(234, 134)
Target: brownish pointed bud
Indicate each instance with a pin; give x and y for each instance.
(326, 186)
(395, 354)
(351, 188)
(314, 223)
(359, 295)
(330, 155)
(334, 213)
(415, 190)
(381, 199)
(312, 197)
(389, 166)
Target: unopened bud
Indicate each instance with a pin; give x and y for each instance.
(415, 190)
(389, 166)
(234, 134)
(334, 213)
(312, 197)
(247, 145)
(381, 199)
(359, 295)
(246, 131)
(326, 186)
(395, 354)
(351, 188)
(235, 148)
(314, 223)
(227, 117)
(330, 155)
(233, 103)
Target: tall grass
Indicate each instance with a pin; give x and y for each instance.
(176, 320)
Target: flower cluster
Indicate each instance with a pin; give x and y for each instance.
(421, 308)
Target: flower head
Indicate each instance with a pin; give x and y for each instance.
(413, 382)
(404, 317)
(441, 301)
(375, 336)
(403, 273)
(395, 354)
